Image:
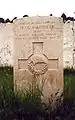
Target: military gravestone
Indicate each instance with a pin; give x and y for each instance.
(38, 50)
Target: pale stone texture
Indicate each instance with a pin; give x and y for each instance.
(7, 39)
(38, 43)
(68, 44)
(6, 44)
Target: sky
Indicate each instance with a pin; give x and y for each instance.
(18, 8)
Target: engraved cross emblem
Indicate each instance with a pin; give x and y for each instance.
(37, 62)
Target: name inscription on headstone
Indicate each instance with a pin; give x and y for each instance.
(39, 31)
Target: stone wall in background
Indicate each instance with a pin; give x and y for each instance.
(68, 37)
(7, 38)
(6, 44)
(69, 44)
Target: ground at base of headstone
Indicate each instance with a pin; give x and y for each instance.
(31, 108)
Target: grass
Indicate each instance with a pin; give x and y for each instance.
(30, 107)
(6, 81)
(69, 84)
(6, 77)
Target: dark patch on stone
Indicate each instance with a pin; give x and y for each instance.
(2, 20)
(25, 16)
(7, 20)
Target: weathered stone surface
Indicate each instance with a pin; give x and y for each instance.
(68, 44)
(38, 51)
(7, 39)
(6, 44)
